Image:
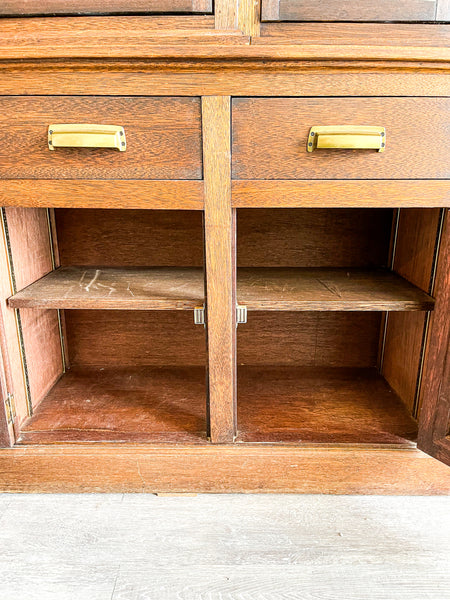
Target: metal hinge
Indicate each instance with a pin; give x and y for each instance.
(10, 409)
(199, 315)
(200, 318)
(241, 314)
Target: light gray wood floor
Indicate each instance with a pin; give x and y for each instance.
(266, 547)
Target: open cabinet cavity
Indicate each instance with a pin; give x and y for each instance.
(104, 305)
(338, 305)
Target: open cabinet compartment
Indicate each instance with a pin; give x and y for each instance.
(104, 303)
(338, 306)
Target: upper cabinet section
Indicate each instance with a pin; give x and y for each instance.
(89, 7)
(356, 10)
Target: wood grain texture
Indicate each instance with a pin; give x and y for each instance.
(319, 238)
(415, 245)
(349, 33)
(11, 353)
(32, 258)
(115, 338)
(327, 289)
(309, 339)
(249, 17)
(220, 267)
(226, 14)
(66, 7)
(7, 430)
(110, 288)
(315, 194)
(130, 238)
(102, 44)
(163, 138)
(218, 469)
(194, 78)
(139, 404)
(351, 10)
(304, 405)
(434, 423)
(131, 194)
(270, 138)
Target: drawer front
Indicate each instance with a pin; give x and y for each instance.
(86, 7)
(163, 138)
(355, 10)
(270, 137)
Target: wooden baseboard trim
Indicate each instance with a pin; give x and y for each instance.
(221, 469)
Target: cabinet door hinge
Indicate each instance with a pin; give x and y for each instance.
(10, 409)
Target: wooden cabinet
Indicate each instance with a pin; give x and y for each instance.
(86, 7)
(352, 10)
(222, 306)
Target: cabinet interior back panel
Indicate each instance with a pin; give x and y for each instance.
(313, 237)
(129, 238)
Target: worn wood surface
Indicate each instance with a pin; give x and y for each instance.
(343, 194)
(134, 404)
(31, 259)
(270, 138)
(307, 405)
(434, 424)
(117, 338)
(130, 238)
(336, 10)
(328, 289)
(220, 267)
(318, 238)
(415, 246)
(163, 138)
(217, 468)
(320, 339)
(110, 288)
(79, 7)
(131, 194)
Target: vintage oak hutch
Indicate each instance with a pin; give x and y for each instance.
(225, 245)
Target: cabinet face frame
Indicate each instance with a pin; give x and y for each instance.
(434, 422)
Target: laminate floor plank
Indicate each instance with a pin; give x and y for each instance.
(224, 547)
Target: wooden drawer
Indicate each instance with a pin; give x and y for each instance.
(163, 138)
(355, 10)
(86, 7)
(270, 138)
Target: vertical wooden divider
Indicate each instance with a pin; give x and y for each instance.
(220, 268)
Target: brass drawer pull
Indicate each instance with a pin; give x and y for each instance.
(361, 137)
(86, 136)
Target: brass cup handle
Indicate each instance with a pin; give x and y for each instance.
(85, 135)
(349, 137)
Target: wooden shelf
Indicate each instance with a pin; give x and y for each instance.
(320, 405)
(305, 289)
(128, 404)
(110, 288)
